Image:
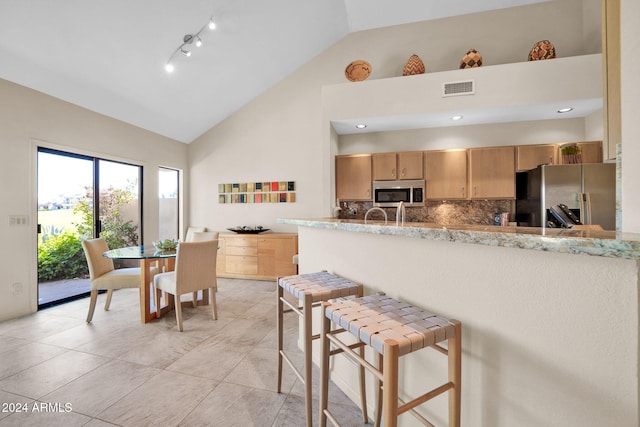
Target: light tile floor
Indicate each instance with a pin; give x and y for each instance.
(55, 369)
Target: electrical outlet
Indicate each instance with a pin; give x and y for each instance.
(354, 211)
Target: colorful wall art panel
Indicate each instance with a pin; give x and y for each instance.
(257, 192)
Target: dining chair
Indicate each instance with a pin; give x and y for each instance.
(202, 236)
(103, 274)
(190, 230)
(195, 270)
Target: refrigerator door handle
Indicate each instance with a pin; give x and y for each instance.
(583, 209)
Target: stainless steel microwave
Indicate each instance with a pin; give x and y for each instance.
(391, 193)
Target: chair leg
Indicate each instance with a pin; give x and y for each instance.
(279, 327)
(212, 298)
(156, 298)
(378, 407)
(390, 381)
(324, 368)
(178, 312)
(92, 304)
(108, 302)
(455, 374)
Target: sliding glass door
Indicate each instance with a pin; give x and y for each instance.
(81, 197)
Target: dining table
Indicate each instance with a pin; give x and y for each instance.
(148, 256)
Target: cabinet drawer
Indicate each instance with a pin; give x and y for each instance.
(242, 250)
(241, 241)
(237, 264)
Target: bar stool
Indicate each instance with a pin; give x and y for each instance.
(392, 329)
(311, 290)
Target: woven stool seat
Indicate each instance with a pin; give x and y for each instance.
(322, 286)
(377, 318)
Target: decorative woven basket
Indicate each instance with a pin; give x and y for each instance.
(543, 49)
(413, 66)
(357, 70)
(472, 59)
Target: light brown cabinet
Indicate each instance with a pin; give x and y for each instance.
(392, 166)
(530, 156)
(446, 174)
(591, 152)
(492, 173)
(353, 177)
(261, 257)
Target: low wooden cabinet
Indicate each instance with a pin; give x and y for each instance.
(257, 256)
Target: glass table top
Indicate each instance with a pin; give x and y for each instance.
(139, 252)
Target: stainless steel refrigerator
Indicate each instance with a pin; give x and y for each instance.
(588, 190)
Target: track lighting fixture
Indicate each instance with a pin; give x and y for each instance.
(187, 41)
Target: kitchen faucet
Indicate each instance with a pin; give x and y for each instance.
(376, 209)
(399, 212)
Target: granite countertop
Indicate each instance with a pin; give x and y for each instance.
(610, 244)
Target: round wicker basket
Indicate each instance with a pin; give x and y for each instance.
(357, 71)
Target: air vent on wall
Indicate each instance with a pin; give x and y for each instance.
(458, 88)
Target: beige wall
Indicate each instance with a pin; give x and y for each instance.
(283, 135)
(28, 119)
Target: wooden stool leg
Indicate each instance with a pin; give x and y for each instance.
(307, 341)
(363, 388)
(390, 381)
(324, 366)
(280, 328)
(455, 374)
(378, 396)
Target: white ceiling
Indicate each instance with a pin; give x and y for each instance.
(108, 56)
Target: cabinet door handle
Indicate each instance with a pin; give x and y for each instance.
(462, 191)
(393, 172)
(368, 193)
(475, 191)
(404, 171)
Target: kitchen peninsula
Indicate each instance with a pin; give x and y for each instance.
(550, 317)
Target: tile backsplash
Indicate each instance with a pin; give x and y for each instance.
(446, 213)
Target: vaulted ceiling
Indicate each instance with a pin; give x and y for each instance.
(109, 56)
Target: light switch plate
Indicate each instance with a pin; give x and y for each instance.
(16, 220)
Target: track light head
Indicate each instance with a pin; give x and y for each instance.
(212, 24)
(185, 52)
(198, 41)
(169, 67)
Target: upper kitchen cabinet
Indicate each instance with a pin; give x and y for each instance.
(530, 156)
(392, 166)
(353, 177)
(492, 173)
(446, 174)
(591, 152)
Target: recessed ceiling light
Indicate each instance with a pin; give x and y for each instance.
(361, 126)
(565, 110)
(456, 117)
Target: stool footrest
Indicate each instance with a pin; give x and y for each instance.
(425, 397)
(355, 357)
(290, 363)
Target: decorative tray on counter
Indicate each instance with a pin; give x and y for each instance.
(248, 230)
